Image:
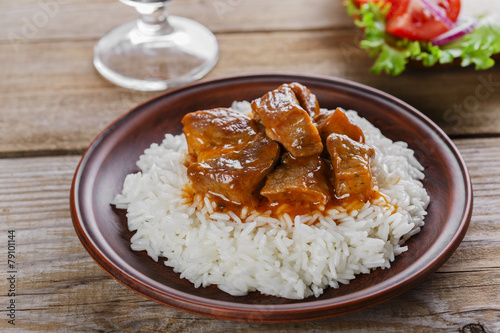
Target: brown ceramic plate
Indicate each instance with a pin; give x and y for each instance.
(103, 229)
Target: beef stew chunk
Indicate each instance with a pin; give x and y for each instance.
(216, 128)
(286, 121)
(306, 98)
(351, 167)
(303, 178)
(329, 122)
(236, 174)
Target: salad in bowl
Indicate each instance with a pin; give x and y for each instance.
(427, 31)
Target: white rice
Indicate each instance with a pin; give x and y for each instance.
(254, 252)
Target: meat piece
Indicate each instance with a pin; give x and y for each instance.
(351, 167)
(298, 179)
(306, 98)
(216, 128)
(236, 174)
(329, 122)
(287, 122)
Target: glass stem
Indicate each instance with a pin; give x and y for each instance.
(153, 20)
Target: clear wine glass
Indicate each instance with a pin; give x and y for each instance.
(157, 51)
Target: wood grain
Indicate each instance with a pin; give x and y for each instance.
(30, 21)
(64, 103)
(54, 101)
(62, 289)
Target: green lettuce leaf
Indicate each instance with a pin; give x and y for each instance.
(480, 45)
(393, 54)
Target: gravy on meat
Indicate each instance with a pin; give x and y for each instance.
(287, 122)
(286, 156)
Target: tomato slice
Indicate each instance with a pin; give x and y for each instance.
(413, 20)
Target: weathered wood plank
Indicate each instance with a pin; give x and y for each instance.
(31, 20)
(64, 102)
(60, 288)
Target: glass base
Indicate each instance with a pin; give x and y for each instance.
(131, 59)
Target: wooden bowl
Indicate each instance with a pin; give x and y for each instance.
(102, 229)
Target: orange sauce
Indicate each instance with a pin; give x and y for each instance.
(260, 204)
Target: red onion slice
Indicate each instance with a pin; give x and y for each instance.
(464, 26)
(438, 13)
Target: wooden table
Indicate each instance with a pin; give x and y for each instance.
(53, 103)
